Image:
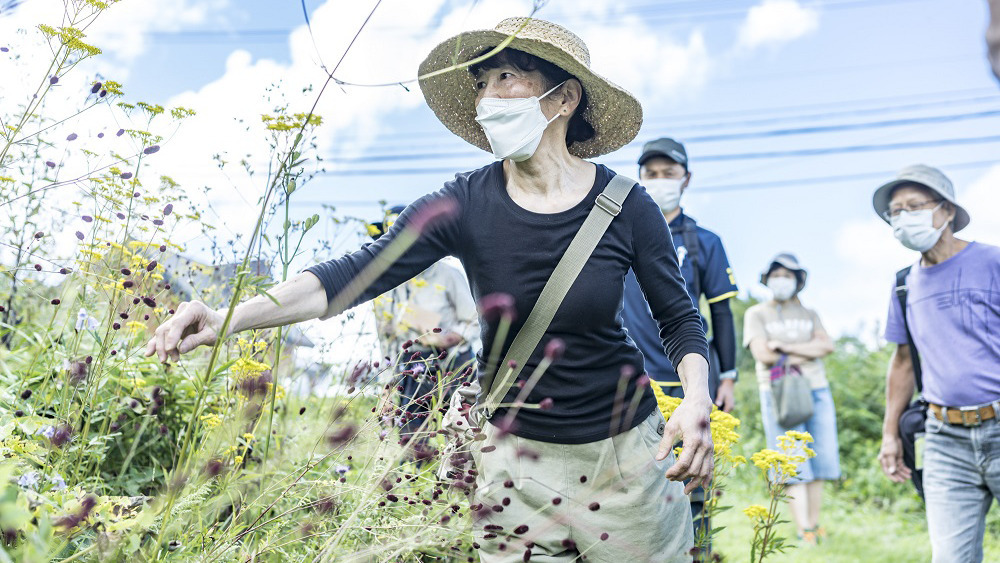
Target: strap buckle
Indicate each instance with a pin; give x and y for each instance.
(609, 205)
(968, 421)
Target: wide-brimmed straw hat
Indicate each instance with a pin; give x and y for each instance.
(614, 114)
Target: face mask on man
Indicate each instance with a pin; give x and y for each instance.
(915, 229)
(782, 288)
(514, 126)
(666, 192)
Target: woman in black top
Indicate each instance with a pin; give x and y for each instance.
(540, 109)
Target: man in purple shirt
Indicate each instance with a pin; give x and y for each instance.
(953, 316)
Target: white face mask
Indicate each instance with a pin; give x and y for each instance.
(782, 288)
(915, 229)
(666, 192)
(513, 126)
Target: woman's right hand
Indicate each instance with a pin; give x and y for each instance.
(194, 324)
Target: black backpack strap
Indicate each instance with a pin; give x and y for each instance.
(901, 293)
(689, 231)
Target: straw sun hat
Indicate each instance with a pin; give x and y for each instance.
(614, 113)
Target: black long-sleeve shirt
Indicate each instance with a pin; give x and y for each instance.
(507, 249)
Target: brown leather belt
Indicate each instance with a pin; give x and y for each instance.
(965, 416)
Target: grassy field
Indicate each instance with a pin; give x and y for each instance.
(856, 532)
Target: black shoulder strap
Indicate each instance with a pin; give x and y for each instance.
(901, 292)
(689, 230)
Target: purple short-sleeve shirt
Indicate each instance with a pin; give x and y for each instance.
(953, 309)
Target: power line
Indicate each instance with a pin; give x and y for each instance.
(718, 137)
(651, 12)
(708, 158)
(744, 186)
(677, 122)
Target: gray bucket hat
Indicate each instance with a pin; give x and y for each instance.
(788, 261)
(928, 177)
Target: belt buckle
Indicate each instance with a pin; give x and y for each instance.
(978, 419)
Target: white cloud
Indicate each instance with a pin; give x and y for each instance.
(775, 22)
(982, 200)
(121, 31)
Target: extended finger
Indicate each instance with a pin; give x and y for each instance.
(151, 346)
(680, 470)
(178, 325)
(700, 478)
(197, 339)
(161, 348)
(667, 442)
(699, 452)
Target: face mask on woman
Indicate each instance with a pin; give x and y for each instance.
(666, 192)
(782, 288)
(915, 229)
(513, 126)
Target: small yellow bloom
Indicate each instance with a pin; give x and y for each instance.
(211, 420)
(238, 459)
(756, 512)
(248, 437)
(800, 436)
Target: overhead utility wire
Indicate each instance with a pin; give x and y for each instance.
(745, 186)
(674, 123)
(707, 158)
(652, 13)
(717, 137)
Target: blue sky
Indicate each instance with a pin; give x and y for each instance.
(767, 68)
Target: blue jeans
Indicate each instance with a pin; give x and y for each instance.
(823, 428)
(961, 481)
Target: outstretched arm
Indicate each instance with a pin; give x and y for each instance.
(299, 299)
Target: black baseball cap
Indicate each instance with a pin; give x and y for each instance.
(667, 148)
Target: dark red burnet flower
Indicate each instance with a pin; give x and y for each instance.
(554, 349)
(497, 305)
(213, 467)
(257, 385)
(341, 437)
(78, 372)
(61, 435)
(74, 519)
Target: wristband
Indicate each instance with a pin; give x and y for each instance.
(731, 374)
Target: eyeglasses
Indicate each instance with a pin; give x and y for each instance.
(909, 207)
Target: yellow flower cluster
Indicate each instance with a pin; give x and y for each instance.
(211, 420)
(756, 512)
(249, 348)
(784, 463)
(245, 368)
(723, 425)
(289, 122)
(71, 38)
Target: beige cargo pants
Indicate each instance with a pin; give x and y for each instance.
(605, 501)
